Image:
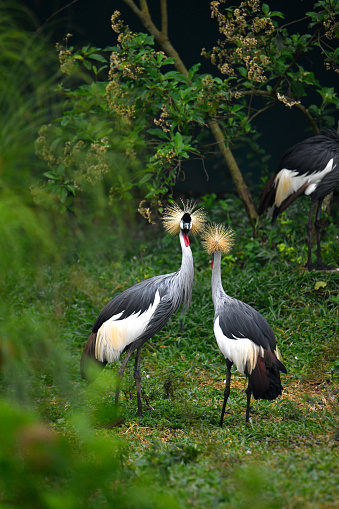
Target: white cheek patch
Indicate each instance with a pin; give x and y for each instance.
(241, 351)
(114, 334)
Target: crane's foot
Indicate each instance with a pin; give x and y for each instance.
(326, 267)
(321, 267)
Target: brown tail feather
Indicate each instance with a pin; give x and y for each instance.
(265, 378)
(88, 360)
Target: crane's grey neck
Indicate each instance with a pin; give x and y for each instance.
(184, 279)
(217, 290)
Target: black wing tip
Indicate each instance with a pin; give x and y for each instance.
(281, 367)
(267, 196)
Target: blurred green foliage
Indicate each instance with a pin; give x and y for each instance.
(27, 241)
(28, 70)
(87, 151)
(40, 468)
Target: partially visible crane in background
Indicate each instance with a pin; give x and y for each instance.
(310, 167)
(140, 312)
(243, 335)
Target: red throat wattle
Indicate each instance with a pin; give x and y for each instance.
(186, 239)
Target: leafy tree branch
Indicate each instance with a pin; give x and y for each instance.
(161, 38)
(152, 113)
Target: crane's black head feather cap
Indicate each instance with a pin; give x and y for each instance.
(174, 216)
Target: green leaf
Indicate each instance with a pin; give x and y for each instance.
(178, 140)
(298, 89)
(243, 71)
(52, 175)
(62, 194)
(159, 133)
(171, 75)
(70, 188)
(88, 65)
(97, 57)
(265, 9)
(193, 70)
(61, 169)
(277, 14)
(145, 178)
(279, 42)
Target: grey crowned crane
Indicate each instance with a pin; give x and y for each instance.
(243, 335)
(310, 167)
(140, 312)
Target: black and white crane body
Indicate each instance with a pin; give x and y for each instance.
(309, 168)
(243, 335)
(141, 311)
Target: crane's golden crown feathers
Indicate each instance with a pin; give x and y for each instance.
(173, 215)
(216, 237)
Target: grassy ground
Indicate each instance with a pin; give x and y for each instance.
(176, 455)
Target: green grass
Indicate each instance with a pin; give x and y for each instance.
(175, 455)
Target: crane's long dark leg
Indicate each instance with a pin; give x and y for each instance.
(309, 227)
(137, 378)
(227, 390)
(317, 232)
(248, 394)
(121, 372)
